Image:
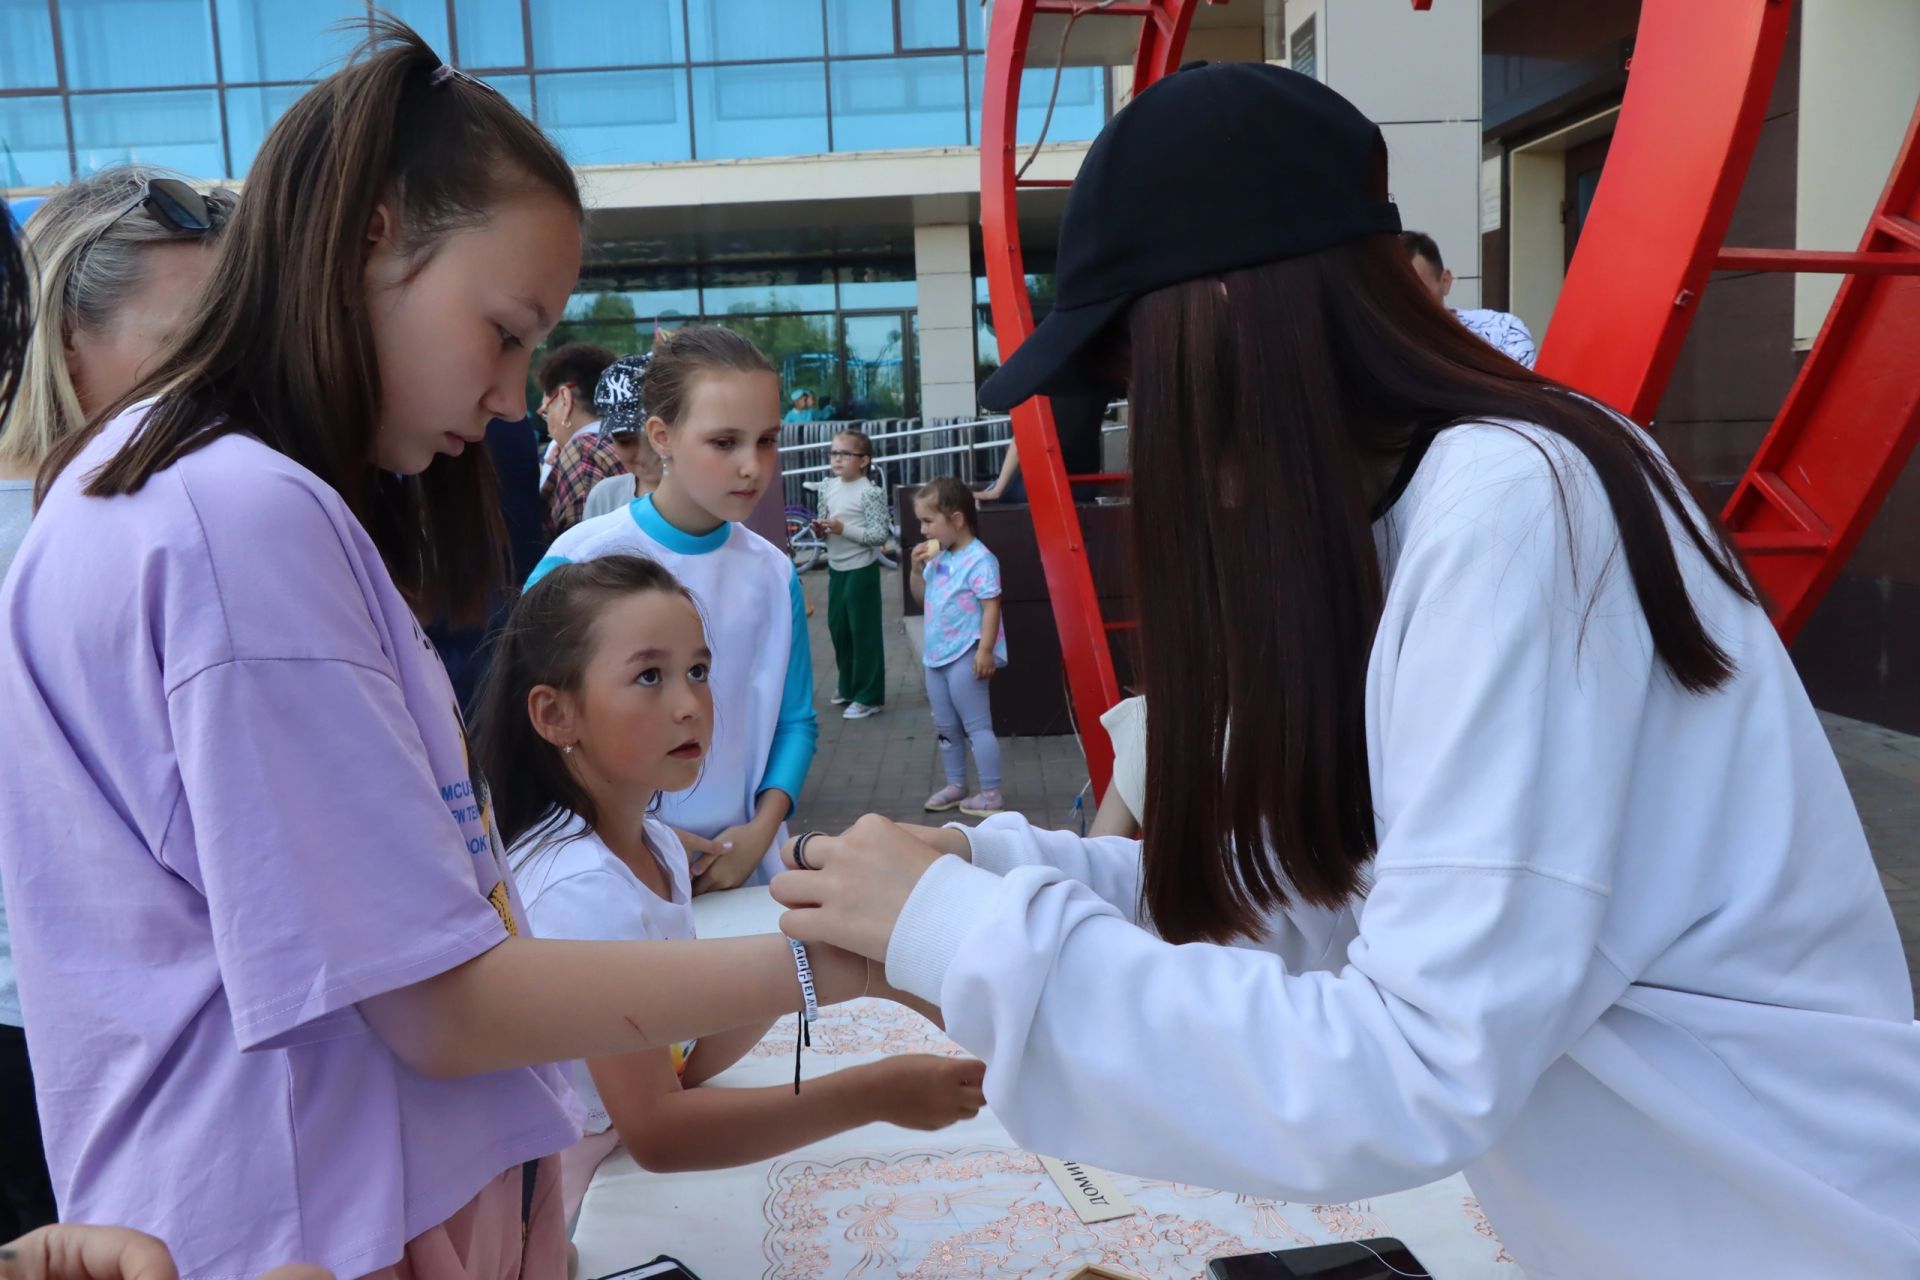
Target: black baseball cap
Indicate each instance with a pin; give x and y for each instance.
(1219, 166)
(620, 395)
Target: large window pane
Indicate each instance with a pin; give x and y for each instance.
(739, 30)
(800, 348)
(929, 24)
(860, 26)
(250, 114)
(875, 369)
(901, 102)
(117, 44)
(668, 302)
(735, 290)
(33, 142)
(606, 33)
(26, 45)
(769, 109)
(179, 130)
(617, 117)
(1077, 117)
(976, 24)
(490, 34)
(872, 285)
(274, 40)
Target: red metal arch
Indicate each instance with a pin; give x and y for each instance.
(1703, 70)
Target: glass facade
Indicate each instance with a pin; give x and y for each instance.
(843, 331)
(196, 84)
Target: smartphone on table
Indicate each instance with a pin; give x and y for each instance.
(661, 1268)
(1381, 1258)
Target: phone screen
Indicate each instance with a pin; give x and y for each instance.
(1382, 1258)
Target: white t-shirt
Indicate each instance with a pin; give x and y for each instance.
(1126, 725)
(1624, 957)
(576, 888)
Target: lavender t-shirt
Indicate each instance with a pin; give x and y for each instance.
(238, 803)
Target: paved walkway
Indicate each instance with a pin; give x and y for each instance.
(889, 765)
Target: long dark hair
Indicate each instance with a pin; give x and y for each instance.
(548, 639)
(281, 345)
(1267, 406)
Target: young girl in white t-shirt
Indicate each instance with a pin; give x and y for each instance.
(597, 703)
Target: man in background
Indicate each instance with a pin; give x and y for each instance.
(1501, 330)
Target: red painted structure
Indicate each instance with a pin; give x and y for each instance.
(1651, 240)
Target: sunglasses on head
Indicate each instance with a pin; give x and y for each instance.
(177, 206)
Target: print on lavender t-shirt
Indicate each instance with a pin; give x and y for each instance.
(240, 804)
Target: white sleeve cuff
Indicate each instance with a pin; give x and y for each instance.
(1002, 843)
(951, 898)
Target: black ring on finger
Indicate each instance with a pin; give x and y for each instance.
(800, 851)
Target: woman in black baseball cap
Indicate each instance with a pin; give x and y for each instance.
(1492, 829)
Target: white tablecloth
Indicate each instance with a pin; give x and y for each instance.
(964, 1202)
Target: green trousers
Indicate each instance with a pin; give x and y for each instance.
(859, 646)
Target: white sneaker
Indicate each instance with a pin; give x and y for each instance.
(859, 711)
(837, 700)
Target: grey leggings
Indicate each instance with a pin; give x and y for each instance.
(959, 699)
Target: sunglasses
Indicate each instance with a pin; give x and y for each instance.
(175, 205)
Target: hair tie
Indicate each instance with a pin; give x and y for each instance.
(441, 74)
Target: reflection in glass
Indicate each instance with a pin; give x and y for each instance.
(250, 114)
(769, 109)
(865, 285)
(178, 130)
(1077, 116)
(606, 33)
(33, 142)
(109, 45)
(859, 26)
(26, 45)
(743, 30)
(273, 40)
(874, 370)
(901, 102)
(617, 117)
(805, 287)
(800, 348)
(490, 34)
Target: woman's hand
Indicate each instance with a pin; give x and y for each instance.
(863, 881)
(983, 662)
(946, 839)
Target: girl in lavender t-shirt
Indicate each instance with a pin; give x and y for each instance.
(273, 972)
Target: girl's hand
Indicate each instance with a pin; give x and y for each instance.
(737, 851)
(925, 1092)
(924, 552)
(864, 880)
(834, 526)
(701, 852)
(983, 667)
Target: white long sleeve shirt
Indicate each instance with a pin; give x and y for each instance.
(1624, 959)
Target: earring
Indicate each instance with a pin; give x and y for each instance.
(567, 750)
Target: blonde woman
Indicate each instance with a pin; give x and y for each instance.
(115, 262)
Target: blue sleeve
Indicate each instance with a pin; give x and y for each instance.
(798, 731)
(984, 577)
(547, 565)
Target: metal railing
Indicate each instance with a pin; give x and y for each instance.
(905, 451)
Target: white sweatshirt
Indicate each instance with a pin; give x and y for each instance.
(1625, 958)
